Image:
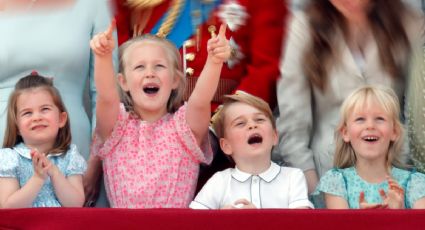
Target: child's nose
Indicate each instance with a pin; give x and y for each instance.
(370, 124)
(149, 72)
(36, 117)
(252, 125)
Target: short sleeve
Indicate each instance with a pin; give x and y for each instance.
(76, 165)
(298, 197)
(210, 195)
(415, 188)
(9, 163)
(102, 148)
(332, 183)
(201, 153)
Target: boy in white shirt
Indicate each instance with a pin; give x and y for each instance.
(247, 133)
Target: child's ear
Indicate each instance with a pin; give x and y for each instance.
(344, 133)
(396, 133)
(225, 146)
(176, 81)
(275, 137)
(63, 117)
(122, 82)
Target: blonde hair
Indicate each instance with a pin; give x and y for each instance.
(26, 84)
(242, 97)
(344, 154)
(173, 57)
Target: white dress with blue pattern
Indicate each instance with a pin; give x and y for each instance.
(16, 163)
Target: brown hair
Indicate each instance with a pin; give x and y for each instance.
(25, 84)
(174, 58)
(344, 154)
(386, 21)
(242, 97)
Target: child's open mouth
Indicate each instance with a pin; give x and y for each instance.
(37, 127)
(255, 139)
(370, 138)
(150, 89)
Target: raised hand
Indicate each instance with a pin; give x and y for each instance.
(394, 198)
(218, 46)
(363, 204)
(103, 43)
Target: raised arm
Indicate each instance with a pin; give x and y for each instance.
(199, 103)
(107, 101)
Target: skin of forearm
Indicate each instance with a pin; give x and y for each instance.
(24, 197)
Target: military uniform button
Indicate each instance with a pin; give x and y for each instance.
(189, 43)
(190, 71)
(189, 57)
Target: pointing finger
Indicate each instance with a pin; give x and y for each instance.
(222, 31)
(110, 30)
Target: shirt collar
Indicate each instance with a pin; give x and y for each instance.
(267, 176)
(24, 151)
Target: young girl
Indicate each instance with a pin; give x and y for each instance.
(367, 171)
(151, 145)
(39, 166)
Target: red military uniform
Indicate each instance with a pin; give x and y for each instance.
(255, 28)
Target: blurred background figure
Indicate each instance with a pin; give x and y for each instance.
(415, 109)
(52, 37)
(298, 4)
(334, 47)
(416, 4)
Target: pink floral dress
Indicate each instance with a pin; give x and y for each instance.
(151, 165)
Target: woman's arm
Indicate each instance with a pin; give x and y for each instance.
(295, 105)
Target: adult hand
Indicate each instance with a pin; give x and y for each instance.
(91, 181)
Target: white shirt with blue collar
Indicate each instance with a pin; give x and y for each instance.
(16, 163)
(277, 187)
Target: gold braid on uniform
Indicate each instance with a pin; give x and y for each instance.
(142, 4)
(168, 24)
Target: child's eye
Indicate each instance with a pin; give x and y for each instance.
(260, 120)
(139, 67)
(159, 66)
(240, 123)
(25, 114)
(380, 118)
(44, 109)
(359, 119)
